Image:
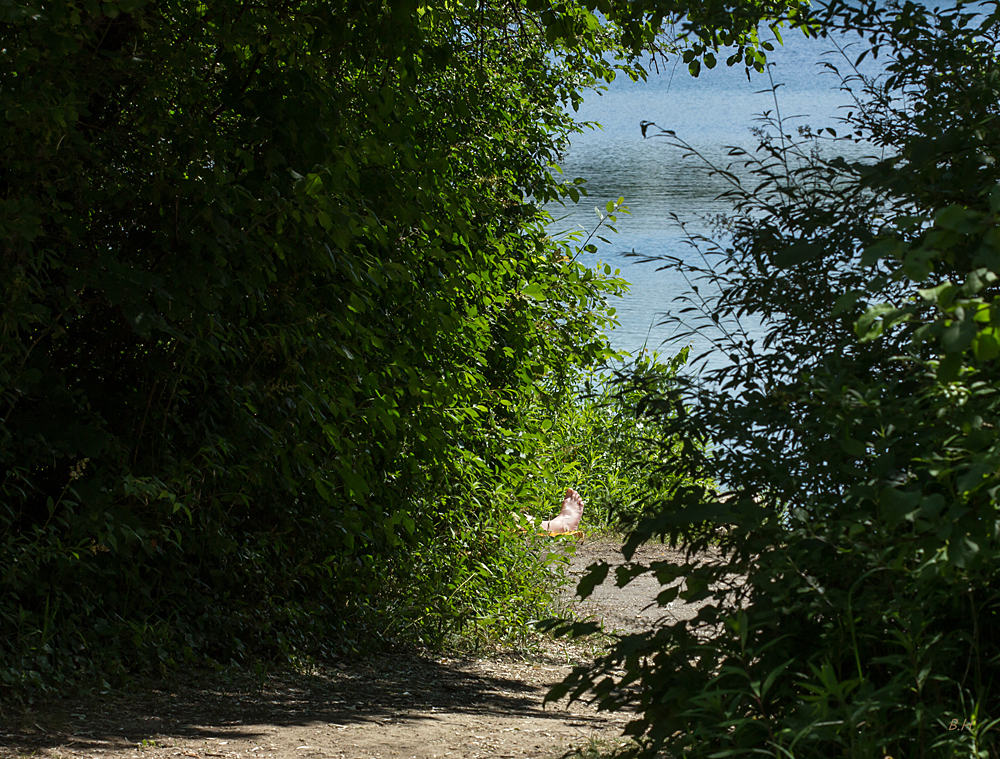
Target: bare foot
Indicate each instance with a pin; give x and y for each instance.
(569, 518)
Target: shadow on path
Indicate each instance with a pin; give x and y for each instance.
(215, 709)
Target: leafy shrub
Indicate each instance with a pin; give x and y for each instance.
(270, 280)
(852, 607)
(275, 285)
(594, 440)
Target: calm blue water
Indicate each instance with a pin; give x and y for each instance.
(714, 111)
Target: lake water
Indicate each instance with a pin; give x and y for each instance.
(716, 110)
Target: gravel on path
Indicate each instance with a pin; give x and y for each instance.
(408, 706)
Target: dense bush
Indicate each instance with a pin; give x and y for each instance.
(854, 608)
(276, 295)
(270, 281)
(593, 438)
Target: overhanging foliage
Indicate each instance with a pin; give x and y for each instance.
(852, 608)
(276, 295)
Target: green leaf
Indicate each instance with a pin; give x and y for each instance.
(958, 218)
(942, 295)
(667, 596)
(977, 280)
(975, 477)
(897, 504)
(773, 675)
(918, 264)
(869, 326)
(962, 551)
(949, 367)
(534, 291)
(596, 574)
(958, 336)
(846, 301)
(798, 253)
(986, 345)
(886, 249)
(854, 447)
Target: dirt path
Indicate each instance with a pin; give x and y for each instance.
(409, 707)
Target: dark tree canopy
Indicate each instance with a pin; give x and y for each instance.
(276, 299)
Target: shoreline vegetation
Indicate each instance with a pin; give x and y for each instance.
(284, 342)
(280, 327)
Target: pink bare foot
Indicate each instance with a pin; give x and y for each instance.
(569, 518)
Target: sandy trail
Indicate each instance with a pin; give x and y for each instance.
(417, 707)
